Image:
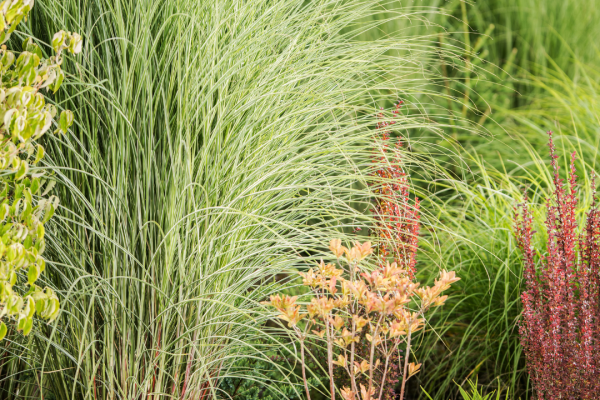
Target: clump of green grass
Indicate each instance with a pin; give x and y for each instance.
(475, 393)
(496, 43)
(217, 146)
(479, 336)
(548, 81)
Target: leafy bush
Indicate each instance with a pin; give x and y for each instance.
(374, 300)
(560, 331)
(26, 117)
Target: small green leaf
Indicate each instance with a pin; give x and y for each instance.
(3, 330)
(66, 120)
(75, 43)
(49, 214)
(6, 238)
(14, 208)
(22, 171)
(60, 77)
(21, 324)
(30, 307)
(52, 110)
(28, 41)
(40, 231)
(37, 51)
(58, 41)
(32, 275)
(39, 155)
(55, 309)
(9, 118)
(35, 185)
(18, 191)
(40, 246)
(13, 277)
(44, 125)
(27, 326)
(28, 242)
(39, 306)
(49, 187)
(27, 191)
(7, 59)
(4, 209)
(11, 254)
(29, 76)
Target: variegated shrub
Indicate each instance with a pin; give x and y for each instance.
(25, 117)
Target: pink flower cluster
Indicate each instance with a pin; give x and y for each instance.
(560, 329)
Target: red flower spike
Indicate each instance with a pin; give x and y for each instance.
(397, 221)
(560, 327)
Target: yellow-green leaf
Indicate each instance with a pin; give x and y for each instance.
(22, 171)
(39, 155)
(58, 40)
(3, 330)
(35, 185)
(49, 213)
(27, 326)
(32, 275)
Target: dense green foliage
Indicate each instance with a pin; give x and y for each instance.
(214, 139)
(216, 145)
(558, 91)
(26, 117)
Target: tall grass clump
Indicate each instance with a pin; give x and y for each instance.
(217, 145)
(542, 32)
(476, 334)
(478, 329)
(497, 43)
